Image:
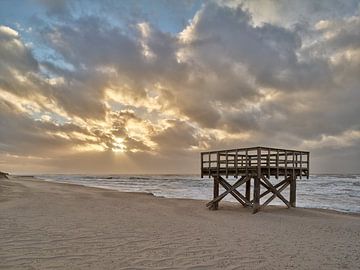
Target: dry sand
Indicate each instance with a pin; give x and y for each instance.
(59, 226)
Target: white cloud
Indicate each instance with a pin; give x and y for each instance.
(7, 31)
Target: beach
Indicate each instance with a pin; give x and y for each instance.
(47, 225)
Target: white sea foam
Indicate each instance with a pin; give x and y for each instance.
(337, 192)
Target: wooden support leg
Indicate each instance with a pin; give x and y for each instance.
(256, 204)
(247, 190)
(293, 191)
(238, 183)
(215, 206)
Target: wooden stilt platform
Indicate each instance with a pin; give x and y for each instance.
(255, 167)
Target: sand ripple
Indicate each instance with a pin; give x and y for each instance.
(54, 226)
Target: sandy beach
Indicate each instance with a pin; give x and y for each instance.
(59, 226)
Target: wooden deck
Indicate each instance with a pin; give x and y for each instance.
(271, 161)
(257, 165)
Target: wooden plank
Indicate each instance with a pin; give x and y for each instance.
(224, 155)
(259, 162)
(285, 172)
(256, 203)
(253, 148)
(276, 186)
(274, 196)
(237, 195)
(301, 165)
(241, 181)
(248, 189)
(236, 164)
(308, 165)
(293, 191)
(215, 205)
(277, 164)
(256, 195)
(209, 165)
(293, 163)
(268, 162)
(218, 164)
(246, 162)
(227, 165)
(234, 193)
(202, 165)
(275, 191)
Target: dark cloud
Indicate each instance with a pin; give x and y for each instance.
(17, 62)
(21, 135)
(56, 7)
(289, 13)
(179, 136)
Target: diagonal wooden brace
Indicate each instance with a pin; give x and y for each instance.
(241, 181)
(276, 193)
(274, 196)
(236, 194)
(275, 186)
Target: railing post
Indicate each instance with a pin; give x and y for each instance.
(218, 164)
(209, 165)
(202, 164)
(236, 164)
(285, 172)
(227, 164)
(268, 162)
(293, 163)
(277, 163)
(301, 154)
(246, 162)
(308, 165)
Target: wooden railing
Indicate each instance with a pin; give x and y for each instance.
(245, 160)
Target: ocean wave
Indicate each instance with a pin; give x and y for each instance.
(334, 191)
(138, 178)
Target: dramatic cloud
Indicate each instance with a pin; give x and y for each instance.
(85, 90)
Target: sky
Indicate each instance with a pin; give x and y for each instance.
(144, 86)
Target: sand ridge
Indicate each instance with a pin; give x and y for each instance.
(60, 226)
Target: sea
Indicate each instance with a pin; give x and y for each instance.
(340, 192)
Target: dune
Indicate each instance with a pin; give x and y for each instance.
(60, 226)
